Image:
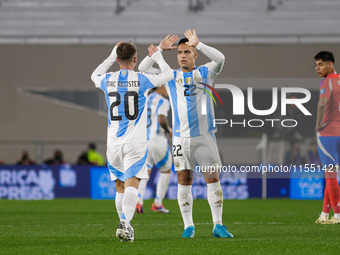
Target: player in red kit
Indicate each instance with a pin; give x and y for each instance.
(328, 134)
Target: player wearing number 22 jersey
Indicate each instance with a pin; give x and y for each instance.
(193, 128)
(328, 133)
(125, 92)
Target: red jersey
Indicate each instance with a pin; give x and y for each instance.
(330, 89)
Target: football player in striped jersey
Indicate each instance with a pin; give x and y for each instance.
(125, 92)
(193, 128)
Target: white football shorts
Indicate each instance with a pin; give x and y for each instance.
(201, 150)
(127, 160)
(159, 155)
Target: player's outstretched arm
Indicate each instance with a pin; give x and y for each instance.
(166, 73)
(147, 62)
(103, 67)
(165, 44)
(146, 66)
(217, 57)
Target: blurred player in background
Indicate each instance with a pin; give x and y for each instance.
(125, 92)
(159, 154)
(194, 139)
(328, 133)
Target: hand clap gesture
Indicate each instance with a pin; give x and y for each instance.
(192, 37)
(167, 42)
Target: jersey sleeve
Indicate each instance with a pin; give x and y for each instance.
(217, 57)
(164, 108)
(325, 86)
(99, 73)
(165, 75)
(146, 66)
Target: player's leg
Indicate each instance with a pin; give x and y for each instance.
(329, 154)
(150, 160)
(208, 158)
(115, 166)
(134, 161)
(161, 190)
(324, 216)
(185, 201)
(125, 231)
(326, 203)
(181, 157)
(130, 198)
(117, 173)
(119, 197)
(163, 164)
(141, 192)
(333, 188)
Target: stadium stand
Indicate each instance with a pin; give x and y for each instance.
(230, 21)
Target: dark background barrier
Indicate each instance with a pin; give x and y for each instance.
(71, 181)
(44, 182)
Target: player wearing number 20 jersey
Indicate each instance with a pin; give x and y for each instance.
(125, 93)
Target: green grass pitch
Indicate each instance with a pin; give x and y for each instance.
(82, 226)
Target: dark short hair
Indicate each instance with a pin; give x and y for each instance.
(92, 146)
(325, 56)
(126, 51)
(183, 41)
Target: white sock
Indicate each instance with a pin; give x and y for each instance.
(337, 215)
(185, 202)
(118, 202)
(324, 215)
(162, 188)
(129, 203)
(215, 200)
(141, 190)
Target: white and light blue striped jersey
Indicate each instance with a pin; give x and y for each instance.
(192, 108)
(156, 105)
(125, 93)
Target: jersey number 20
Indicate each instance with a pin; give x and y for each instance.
(127, 95)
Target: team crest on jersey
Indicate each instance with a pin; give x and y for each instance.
(176, 164)
(123, 72)
(188, 80)
(322, 91)
(197, 78)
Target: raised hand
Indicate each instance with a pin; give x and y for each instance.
(192, 37)
(152, 49)
(119, 43)
(167, 42)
